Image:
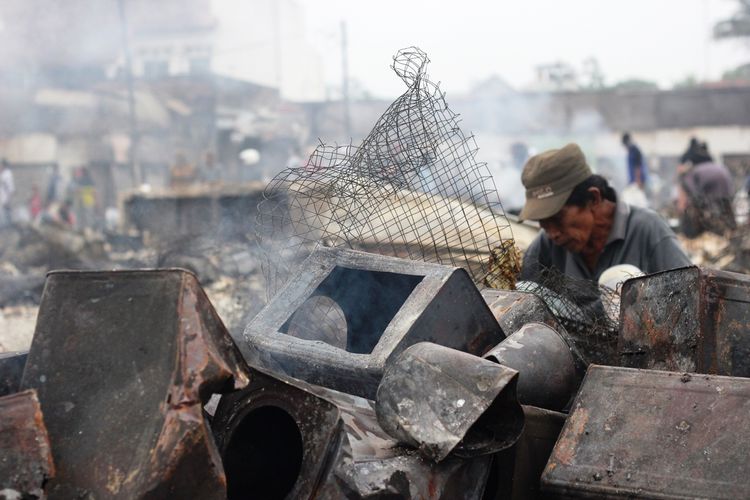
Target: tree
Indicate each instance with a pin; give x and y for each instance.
(740, 73)
(636, 84)
(687, 82)
(738, 26)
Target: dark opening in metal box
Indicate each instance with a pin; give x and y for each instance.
(347, 312)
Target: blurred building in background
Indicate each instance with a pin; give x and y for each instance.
(251, 88)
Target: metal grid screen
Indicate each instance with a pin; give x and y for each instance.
(412, 189)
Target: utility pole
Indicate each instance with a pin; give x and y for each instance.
(278, 40)
(345, 81)
(135, 171)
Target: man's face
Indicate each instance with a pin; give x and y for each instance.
(570, 228)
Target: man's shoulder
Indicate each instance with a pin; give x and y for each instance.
(645, 220)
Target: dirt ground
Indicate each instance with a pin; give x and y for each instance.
(17, 327)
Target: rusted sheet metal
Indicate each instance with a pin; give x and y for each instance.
(348, 312)
(123, 362)
(25, 458)
(654, 434)
(513, 309)
(438, 399)
(550, 372)
(11, 371)
(283, 438)
(688, 320)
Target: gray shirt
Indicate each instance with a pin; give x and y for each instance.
(638, 236)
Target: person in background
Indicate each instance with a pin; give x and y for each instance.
(64, 213)
(85, 198)
(693, 146)
(586, 228)
(35, 202)
(55, 187)
(637, 170)
(705, 194)
(7, 188)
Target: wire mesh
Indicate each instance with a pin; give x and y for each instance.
(412, 189)
(589, 312)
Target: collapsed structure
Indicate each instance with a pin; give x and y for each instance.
(369, 375)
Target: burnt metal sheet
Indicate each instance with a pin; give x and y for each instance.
(11, 371)
(346, 313)
(25, 457)
(688, 320)
(513, 309)
(123, 362)
(550, 372)
(274, 438)
(284, 438)
(440, 400)
(654, 434)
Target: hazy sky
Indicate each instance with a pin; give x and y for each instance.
(469, 40)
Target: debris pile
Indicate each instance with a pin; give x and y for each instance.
(718, 252)
(230, 272)
(397, 403)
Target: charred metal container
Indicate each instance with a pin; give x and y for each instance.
(122, 363)
(688, 320)
(283, 438)
(516, 472)
(11, 371)
(550, 370)
(440, 400)
(653, 434)
(346, 313)
(25, 457)
(513, 309)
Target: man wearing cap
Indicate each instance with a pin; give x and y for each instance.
(586, 229)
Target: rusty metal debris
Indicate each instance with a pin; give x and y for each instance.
(348, 312)
(25, 456)
(122, 363)
(438, 399)
(688, 320)
(548, 366)
(513, 309)
(149, 351)
(654, 434)
(283, 438)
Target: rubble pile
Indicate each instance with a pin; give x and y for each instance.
(405, 382)
(718, 252)
(230, 272)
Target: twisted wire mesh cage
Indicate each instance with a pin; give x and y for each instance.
(412, 189)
